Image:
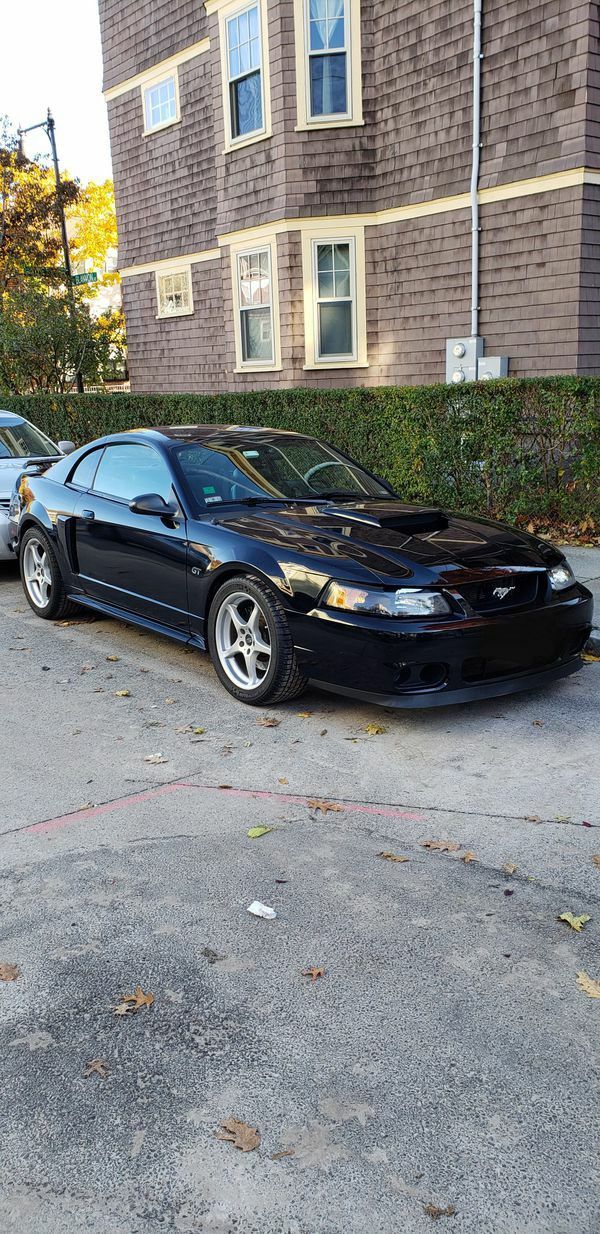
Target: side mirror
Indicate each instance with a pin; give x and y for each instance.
(153, 503)
(66, 447)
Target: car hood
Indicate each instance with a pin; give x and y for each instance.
(11, 468)
(394, 540)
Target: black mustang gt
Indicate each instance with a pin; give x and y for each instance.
(291, 563)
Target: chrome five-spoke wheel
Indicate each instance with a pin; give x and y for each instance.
(243, 641)
(37, 574)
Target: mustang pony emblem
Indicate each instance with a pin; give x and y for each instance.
(502, 592)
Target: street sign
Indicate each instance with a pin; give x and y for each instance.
(78, 279)
(43, 271)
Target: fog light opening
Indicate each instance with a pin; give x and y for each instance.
(433, 674)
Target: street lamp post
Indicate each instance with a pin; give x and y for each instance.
(49, 127)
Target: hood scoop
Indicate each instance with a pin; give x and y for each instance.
(395, 517)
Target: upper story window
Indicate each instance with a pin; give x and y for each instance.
(328, 63)
(245, 73)
(161, 103)
(174, 292)
(243, 40)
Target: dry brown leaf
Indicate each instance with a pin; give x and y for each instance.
(122, 693)
(235, 1132)
(96, 1067)
(590, 657)
(155, 758)
(434, 1212)
(374, 729)
(588, 985)
(468, 858)
(284, 1152)
(268, 722)
(282, 780)
(576, 923)
(133, 1002)
(442, 846)
(532, 818)
(315, 803)
(112, 659)
(304, 715)
(9, 972)
(169, 701)
(509, 867)
(392, 857)
(538, 723)
(596, 860)
(313, 973)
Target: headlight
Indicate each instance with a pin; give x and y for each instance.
(405, 602)
(561, 576)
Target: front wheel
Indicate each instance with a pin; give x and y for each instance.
(41, 577)
(251, 645)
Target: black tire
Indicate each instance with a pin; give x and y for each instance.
(282, 679)
(57, 606)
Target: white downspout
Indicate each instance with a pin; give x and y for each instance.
(477, 58)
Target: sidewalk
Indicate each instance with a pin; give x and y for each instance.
(586, 564)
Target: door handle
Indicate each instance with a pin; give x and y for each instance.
(88, 515)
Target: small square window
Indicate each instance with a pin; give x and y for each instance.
(174, 292)
(161, 104)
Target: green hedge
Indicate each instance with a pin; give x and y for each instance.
(517, 450)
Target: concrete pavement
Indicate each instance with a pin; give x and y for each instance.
(447, 1056)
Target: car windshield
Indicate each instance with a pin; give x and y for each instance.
(22, 440)
(273, 469)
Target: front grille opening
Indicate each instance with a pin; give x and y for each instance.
(503, 595)
(413, 677)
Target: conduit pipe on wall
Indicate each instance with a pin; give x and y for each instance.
(477, 58)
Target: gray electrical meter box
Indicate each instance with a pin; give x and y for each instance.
(466, 361)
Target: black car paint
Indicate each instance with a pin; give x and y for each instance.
(163, 571)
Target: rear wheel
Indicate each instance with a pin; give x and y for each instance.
(41, 577)
(251, 645)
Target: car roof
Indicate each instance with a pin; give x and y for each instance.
(213, 433)
(8, 417)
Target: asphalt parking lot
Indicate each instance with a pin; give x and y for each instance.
(444, 1066)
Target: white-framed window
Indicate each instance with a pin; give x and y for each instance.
(328, 63)
(174, 292)
(256, 307)
(334, 298)
(243, 38)
(161, 103)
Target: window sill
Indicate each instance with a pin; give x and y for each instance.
(332, 122)
(160, 128)
(259, 368)
(174, 316)
(329, 364)
(247, 141)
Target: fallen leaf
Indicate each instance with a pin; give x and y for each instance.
(323, 732)
(434, 1212)
(590, 657)
(576, 923)
(112, 659)
(538, 723)
(531, 528)
(282, 780)
(96, 1067)
(155, 758)
(532, 818)
(392, 857)
(132, 1002)
(304, 715)
(509, 867)
(239, 1134)
(9, 972)
(313, 973)
(122, 693)
(184, 728)
(285, 1152)
(268, 722)
(468, 858)
(588, 985)
(443, 846)
(596, 860)
(169, 702)
(585, 823)
(316, 804)
(256, 832)
(374, 729)
(223, 785)
(196, 729)
(562, 818)
(86, 668)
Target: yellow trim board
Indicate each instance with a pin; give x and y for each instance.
(163, 68)
(167, 263)
(260, 233)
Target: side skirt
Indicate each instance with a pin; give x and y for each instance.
(110, 610)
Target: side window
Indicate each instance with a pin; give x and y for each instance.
(84, 473)
(161, 103)
(128, 471)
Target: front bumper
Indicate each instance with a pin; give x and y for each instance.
(433, 663)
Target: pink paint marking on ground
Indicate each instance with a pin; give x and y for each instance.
(79, 816)
(355, 807)
(50, 824)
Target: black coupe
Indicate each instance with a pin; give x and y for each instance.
(290, 563)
